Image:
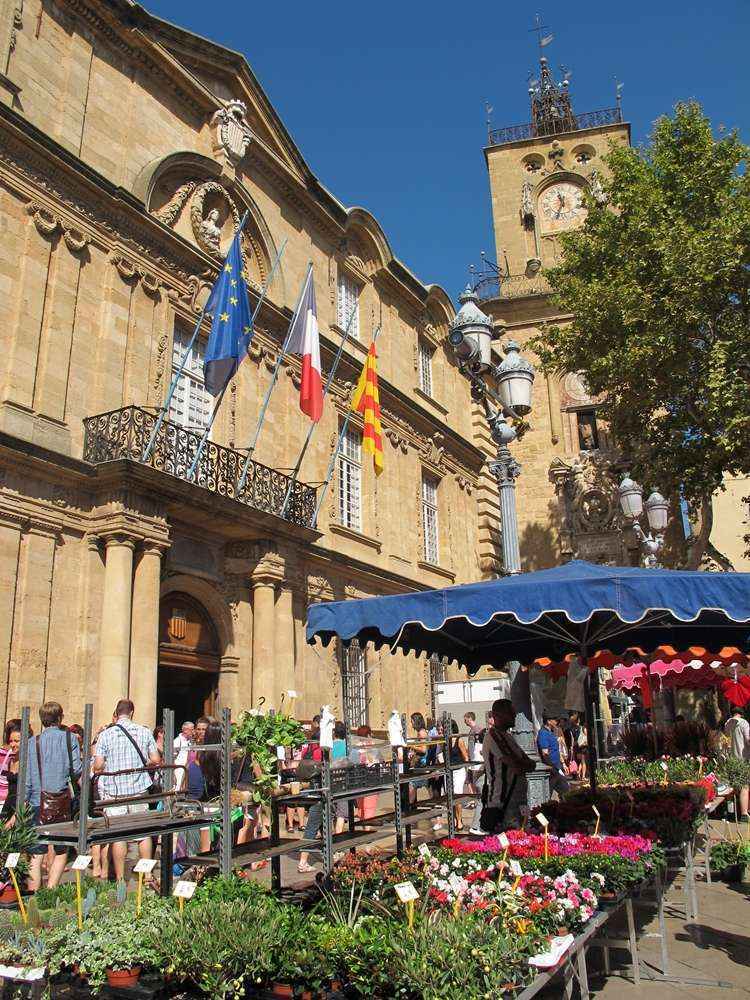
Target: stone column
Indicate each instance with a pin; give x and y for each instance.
(114, 655)
(263, 641)
(144, 633)
(284, 643)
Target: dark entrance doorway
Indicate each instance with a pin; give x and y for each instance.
(189, 659)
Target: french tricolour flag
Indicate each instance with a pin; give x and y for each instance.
(304, 340)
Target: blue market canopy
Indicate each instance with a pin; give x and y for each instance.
(578, 608)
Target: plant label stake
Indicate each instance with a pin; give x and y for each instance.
(665, 768)
(516, 870)
(505, 844)
(182, 891)
(407, 894)
(700, 768)
(598, 820)
(10, 863)
(80, 864)
(144, 867)
(292, 696)
(542, 819)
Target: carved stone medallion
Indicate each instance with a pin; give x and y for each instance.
(232, 134)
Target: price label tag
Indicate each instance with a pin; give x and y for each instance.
(596, 812)
(291, 693)
(81, 863)
(406, 892)
(281, 753)
(503, 841)
(184, 889)
(515, 868)
(424, 851)
(145, 865)
(542, 819)
(12, 860)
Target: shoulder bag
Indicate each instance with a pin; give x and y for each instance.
(54, 807)
(155, 787)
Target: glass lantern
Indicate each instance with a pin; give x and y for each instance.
(515, 379)
(631, 498)
(657, 508)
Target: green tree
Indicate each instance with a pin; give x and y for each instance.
(658, 283)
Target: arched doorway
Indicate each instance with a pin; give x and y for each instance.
(189, 659)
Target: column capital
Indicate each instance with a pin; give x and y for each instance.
(119, 538)
(154, 548)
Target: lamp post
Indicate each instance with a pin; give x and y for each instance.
(471, 335)
(657, 516)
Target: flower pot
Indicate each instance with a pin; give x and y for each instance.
(123, 978)
(282, 990)
(732, 873)
(7, 894)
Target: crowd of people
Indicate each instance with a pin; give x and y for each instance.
(127, 767)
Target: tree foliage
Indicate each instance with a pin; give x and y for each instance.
(658, 283)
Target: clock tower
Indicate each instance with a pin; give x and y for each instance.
(539, 173)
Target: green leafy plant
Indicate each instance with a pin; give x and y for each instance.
(258, 734)
(20, 837)
(228, 889)
(729, 853)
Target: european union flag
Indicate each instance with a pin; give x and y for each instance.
(231, 330)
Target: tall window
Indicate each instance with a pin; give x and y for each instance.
(190, 405)
(588, 431)
(350, 480)
(354, 685)
(347, 304)
(430, 519)
(425, 368)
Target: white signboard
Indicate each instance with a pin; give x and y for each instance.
(503, 841)
(81, 863)
(515, 869)
(145, 865)
(406, 892)
(12, 860)
(542, 819)
(184, 889)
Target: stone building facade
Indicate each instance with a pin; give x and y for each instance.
(129, 150)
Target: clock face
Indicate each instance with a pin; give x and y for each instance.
(561, 205)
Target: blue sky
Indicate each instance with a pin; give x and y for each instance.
(386, 101)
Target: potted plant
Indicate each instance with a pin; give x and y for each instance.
(16, 838)
(729, 859)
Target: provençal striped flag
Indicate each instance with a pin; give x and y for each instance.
(366, 400)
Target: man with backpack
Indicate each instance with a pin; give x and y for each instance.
(126, 746)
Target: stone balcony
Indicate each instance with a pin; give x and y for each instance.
(123, 436)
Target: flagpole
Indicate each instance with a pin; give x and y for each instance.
(332, 463)
(274, 376)
(314, 424)
(207, 431)
(165, 409)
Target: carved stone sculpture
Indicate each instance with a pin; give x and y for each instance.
(527, 204)
(232, 134)
(210, 232)
(597, 191)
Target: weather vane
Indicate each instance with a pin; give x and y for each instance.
(539, 28)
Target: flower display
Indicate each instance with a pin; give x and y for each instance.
(530, 845)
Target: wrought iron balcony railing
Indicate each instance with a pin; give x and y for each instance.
(125, 433)
(511, 286)
(590, 119)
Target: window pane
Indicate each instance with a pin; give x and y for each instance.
(350, 479)
(347, 305)
(425, 368)
(354, 685)
(430, 519)
(190, 405)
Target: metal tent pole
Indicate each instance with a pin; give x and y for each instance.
(23, 759)
(83, 814)
(225, 831)
(326, 803)
(167, 840)
(447, 742)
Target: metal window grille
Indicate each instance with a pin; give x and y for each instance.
(438, 666)
(425, 368)
(350, 480)
(354, 685)
(430, 519)
(347, 305)
(190, 405)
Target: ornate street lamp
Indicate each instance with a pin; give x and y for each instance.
(471, 336)
(657, 516)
